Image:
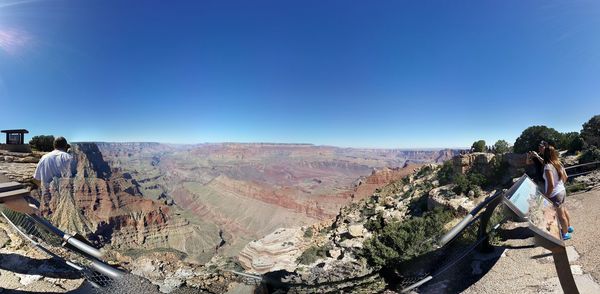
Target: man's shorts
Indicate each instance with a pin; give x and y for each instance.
(559, 198)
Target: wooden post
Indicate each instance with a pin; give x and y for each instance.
(561, 261)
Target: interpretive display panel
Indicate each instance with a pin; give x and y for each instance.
(527, 201)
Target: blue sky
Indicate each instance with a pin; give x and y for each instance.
(407, 74)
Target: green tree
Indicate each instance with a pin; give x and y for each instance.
(446, 173)
(576, 144)
(501, 147)
(402, 240)
(566, 139)
(478, 146)
(590, 155)
(591, 131)
(42, 143)
(530, 138)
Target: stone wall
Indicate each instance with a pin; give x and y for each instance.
(23, 148)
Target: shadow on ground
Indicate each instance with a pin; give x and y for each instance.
(50, 268)
(463, 269)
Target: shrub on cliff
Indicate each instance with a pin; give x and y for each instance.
(591, 131)
(471, 182)
(478, 146)
(530, 138)
(501, 147)
(312, 254)
(590, 155)
(577, 144)
(571, 141)
(308, 233)
(42, 143)
(403, 240)
(446, 173)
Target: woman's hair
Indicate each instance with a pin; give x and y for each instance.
(551, 157)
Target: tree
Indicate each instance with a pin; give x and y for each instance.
(501, 147)
(590, 155)
(591, 131)
(530, 138)
(478, 146)
(576, 144)
(42, 143)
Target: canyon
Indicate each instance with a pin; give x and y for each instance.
(199, 201)
(234, 193)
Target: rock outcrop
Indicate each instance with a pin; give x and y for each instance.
(477, 162)
(276, 251)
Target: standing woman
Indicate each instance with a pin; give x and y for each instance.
(555, 177)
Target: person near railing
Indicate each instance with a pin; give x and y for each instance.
(555, 176)
(536, 159)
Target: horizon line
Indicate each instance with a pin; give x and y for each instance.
(278, 143)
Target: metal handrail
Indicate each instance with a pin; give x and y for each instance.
(467, 220)
(80, 246)
(580, 165)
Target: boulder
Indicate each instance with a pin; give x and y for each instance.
(356, 230)
(351, 243)
(335, 253)
(442, 198)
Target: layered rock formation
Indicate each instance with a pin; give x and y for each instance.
(247, 191)
(276, 251)
(96, 201)
(381, 177)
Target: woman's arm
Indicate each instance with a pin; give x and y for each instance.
(550, 180)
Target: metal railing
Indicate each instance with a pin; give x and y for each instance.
(582, 169)
(476, 214)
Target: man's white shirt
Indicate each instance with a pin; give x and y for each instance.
(53, 164)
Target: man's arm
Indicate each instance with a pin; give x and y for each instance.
(36, 182)
(37, 175)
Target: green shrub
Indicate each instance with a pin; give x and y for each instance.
(308, 233)
(571, 141)
(477, 179)
(313, 254)
(575, 187)
(403, 240)
(42, 143)
(375, 224)
(446, 173)
(478, 146)
(530, 138)
(501, 147)
(590, 155)
(472, 181)
(462, 184)
(591, 131)
(424, 171)
(577, 144)
(500, 169)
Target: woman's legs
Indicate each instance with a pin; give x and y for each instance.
(567, 216)
(564, 225)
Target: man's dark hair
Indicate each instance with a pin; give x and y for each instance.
(61, 143)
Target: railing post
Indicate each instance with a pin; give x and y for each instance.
(484, 221)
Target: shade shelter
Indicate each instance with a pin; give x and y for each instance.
(15, 141)
(15, 137)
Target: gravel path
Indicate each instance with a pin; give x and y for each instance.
(522, 269)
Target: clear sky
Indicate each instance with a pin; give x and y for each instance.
(405, 74)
